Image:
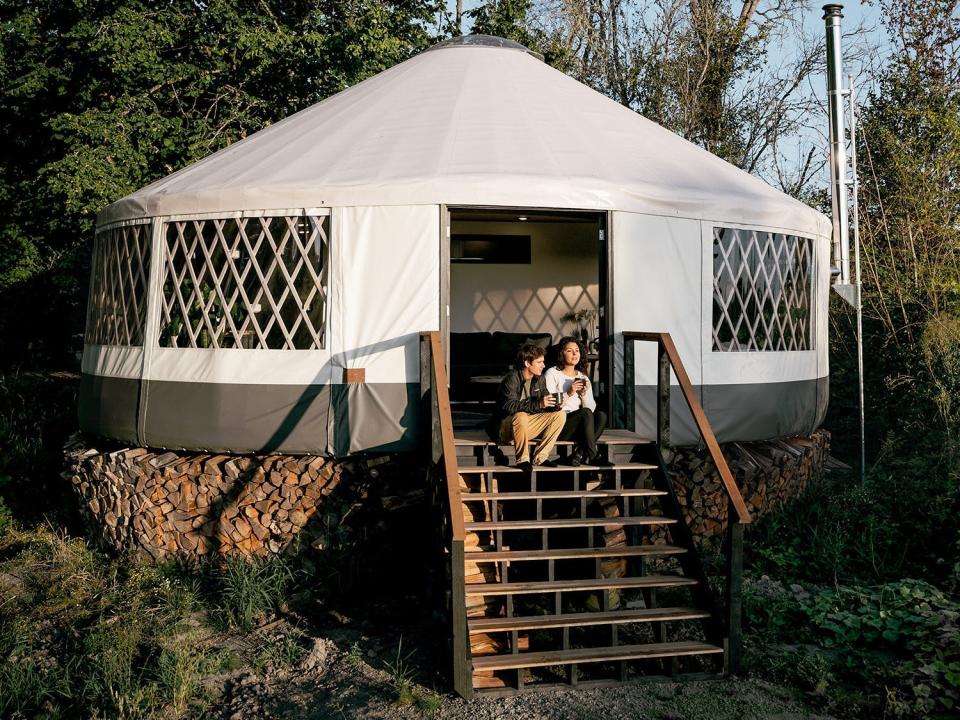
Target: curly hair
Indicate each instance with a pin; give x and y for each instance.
(564, 341)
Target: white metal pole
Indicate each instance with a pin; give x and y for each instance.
(838, 161)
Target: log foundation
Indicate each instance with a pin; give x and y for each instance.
(187, 505)
(178, 504)
(769, 474)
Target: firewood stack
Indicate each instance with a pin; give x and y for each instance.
(769, 474)
(188, 504)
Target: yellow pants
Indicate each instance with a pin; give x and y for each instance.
(521, 428)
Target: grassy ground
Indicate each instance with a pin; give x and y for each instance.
(85, 635)
(835, 626)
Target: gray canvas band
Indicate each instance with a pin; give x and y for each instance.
(383, 417)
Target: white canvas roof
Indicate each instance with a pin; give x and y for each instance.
(467, 124)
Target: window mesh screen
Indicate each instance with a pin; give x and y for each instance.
(117, 307)
(256, 283)
(761, 291)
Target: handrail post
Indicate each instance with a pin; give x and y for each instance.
(734, 588)
(443, 458)
(428, 402)
(738, 515)
(663, 395)
(629, 385)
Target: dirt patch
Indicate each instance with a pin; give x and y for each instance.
(350, 673)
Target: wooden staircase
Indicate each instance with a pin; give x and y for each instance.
(582, 575)
(563, 582)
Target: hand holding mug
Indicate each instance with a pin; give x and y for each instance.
(580, 386)
(549, 401)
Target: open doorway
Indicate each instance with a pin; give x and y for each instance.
(520, 275)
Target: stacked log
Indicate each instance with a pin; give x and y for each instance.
(769, 475)
(179, 504)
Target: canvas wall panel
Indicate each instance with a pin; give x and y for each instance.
(385, 289)
(112, 361)
(657, 288)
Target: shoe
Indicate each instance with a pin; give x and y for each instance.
(599, 461)
(574, 460)
(548, 463)
(525, 466)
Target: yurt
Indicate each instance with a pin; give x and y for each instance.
(271, 296)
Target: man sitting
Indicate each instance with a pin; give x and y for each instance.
(526, 411)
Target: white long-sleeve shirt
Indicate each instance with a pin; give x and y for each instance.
(558, 382)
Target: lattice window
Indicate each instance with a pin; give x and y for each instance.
(258, 283)
(761, 291)
(117, 307)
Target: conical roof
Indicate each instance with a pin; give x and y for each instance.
(471, 122)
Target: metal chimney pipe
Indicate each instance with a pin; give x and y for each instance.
(838, 150)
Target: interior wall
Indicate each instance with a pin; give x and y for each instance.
(562, 277)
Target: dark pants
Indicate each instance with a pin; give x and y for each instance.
(584, 426)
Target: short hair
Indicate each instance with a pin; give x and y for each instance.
(564, 341)
(528, 353)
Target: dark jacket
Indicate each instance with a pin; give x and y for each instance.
(509, 402)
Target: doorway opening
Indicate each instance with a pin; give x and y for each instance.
(516, 275)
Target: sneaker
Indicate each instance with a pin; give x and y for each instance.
(574, 460)
(525, 466)
(548, 463)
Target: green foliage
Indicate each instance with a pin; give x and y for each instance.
(250, 589)
(37, 414)
(507, 19)
(402, 675)
(131, 90)
(897, 643)
(844, 531)
(85, 636)
(282, 650)
(24, 685)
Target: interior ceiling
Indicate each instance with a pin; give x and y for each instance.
(513, 215)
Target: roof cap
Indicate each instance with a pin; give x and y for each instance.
(491, 41)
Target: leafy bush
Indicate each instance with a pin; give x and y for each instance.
(37, 414)
(849, 532)
(899, 642)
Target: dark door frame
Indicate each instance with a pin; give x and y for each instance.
(604, 275)
(607, 341)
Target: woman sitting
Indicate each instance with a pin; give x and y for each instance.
(584, 423)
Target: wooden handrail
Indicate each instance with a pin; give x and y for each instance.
(703, 425)
(444, 455)
(448, 450)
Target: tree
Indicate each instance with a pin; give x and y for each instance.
(100, 97)
(910, 200)
(702, 68)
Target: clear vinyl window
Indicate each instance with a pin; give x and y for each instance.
(253, 282)
(762, 291)
(117, 305)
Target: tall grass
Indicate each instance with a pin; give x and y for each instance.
(84, 635)
(250, 589)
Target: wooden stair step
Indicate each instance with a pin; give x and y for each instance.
(547, 586)
(612, 617)
(572, 553)
(587, 655)
(559, 494)
(566, 523)
(466, 438)
(484, 469)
